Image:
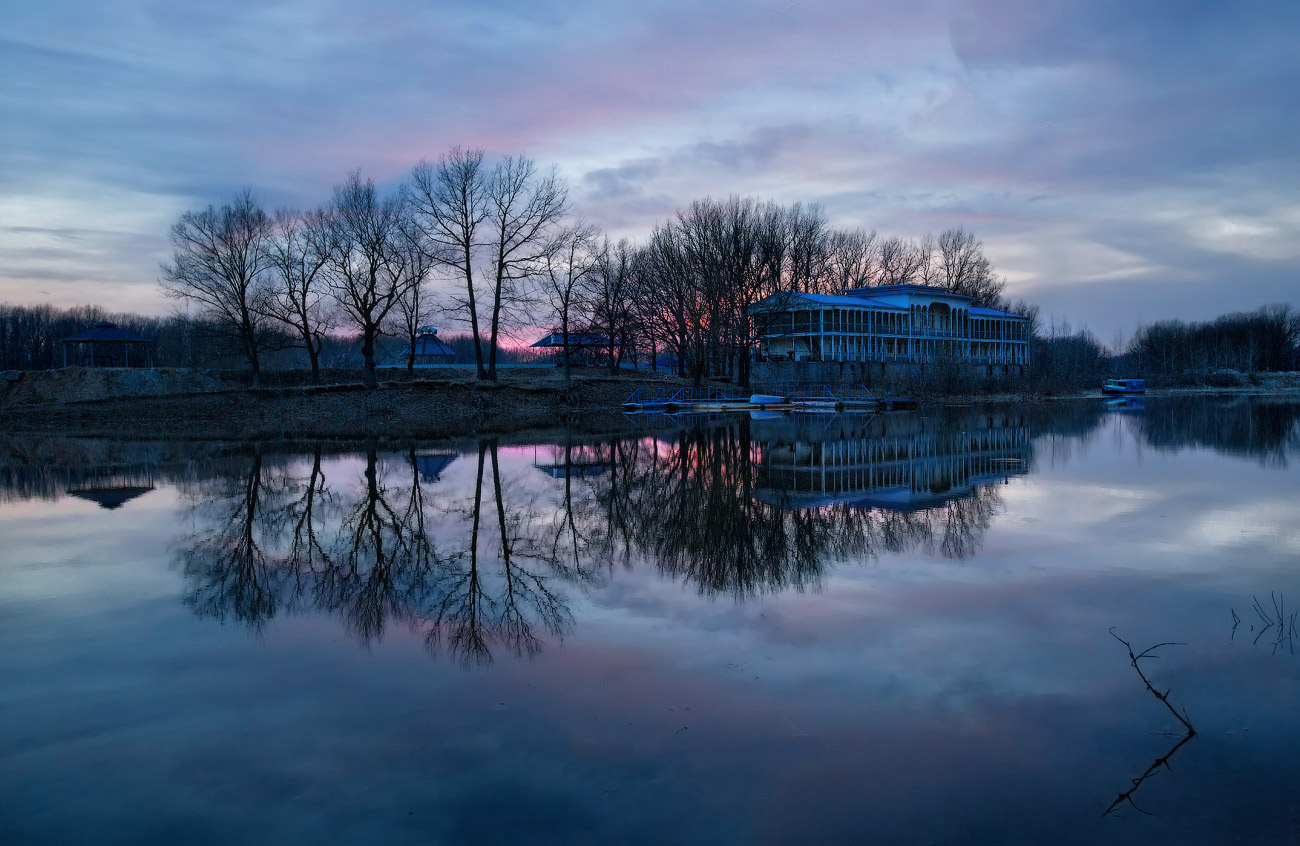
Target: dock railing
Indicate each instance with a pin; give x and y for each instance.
(669, 396)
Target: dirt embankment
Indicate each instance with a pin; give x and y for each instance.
(202, 404)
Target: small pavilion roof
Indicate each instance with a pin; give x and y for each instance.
(112, 498)
(430, 467)
(107, 332)
(576, 339)
(428, 343)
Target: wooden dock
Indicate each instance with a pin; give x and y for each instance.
(787, 397)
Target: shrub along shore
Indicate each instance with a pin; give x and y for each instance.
(182, 403)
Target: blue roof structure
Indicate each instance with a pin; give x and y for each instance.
(430, 467)
(106, 332)
(858, 297)
(428, 343)
(902, 288)
(576, 339)
(833, 299)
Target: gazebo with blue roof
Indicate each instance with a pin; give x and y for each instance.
(106, 345)
(428, 349)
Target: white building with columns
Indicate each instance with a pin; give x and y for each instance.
(904, 324)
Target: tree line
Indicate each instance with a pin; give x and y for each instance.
(29, 340)
(1262, 340)
(494, 246)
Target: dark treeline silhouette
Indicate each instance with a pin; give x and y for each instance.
(1264, 340)
(29, 340)
(1067, 360)
(1217, 353)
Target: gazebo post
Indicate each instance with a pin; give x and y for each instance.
(65, 356)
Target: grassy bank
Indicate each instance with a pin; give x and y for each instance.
(187, 404)
(179, 403)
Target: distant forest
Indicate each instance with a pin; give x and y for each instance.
(1171, 352)
(29, 340)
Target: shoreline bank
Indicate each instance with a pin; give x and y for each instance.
(200, 404)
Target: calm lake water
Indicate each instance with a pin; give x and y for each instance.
(780, 629)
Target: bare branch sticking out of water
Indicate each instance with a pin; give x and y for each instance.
(1161, 762)
(1163, 697)
(1283, 625)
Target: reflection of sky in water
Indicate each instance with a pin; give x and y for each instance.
(902, 697)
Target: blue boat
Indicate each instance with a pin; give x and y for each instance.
(1124, 386)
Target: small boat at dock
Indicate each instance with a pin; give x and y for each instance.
(1124, 386)
(767, 399)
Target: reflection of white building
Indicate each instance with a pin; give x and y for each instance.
(892, 323)
(880, 463)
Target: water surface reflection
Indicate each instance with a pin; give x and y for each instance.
(735, 507)
(742, 629)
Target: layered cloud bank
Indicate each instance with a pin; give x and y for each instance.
(1122, 162)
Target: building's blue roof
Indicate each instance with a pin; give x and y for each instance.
(428, 343)
(576, 339)
(851, 299)
(107, 332)
(908, 286)
(836, 299)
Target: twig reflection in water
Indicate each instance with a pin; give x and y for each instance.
(1161, 761)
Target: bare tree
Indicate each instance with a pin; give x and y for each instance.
(613, 290)
(927, 268)
(414, 308)
(570, 266)
(449, 201)
(297, 297)
(218, 259)
(523, 209)
(851, 258)
(808, 247)
(964, 269)
(368, 272)
(899, 262)
(1030, 311)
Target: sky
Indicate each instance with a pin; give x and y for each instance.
(1122, 162)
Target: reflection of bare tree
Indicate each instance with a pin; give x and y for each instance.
(688, 506)
(497, 590)
(484, 571)
(228, 568)
(691, 507)
(282, 539)
(376, 573)
(1267, 430)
